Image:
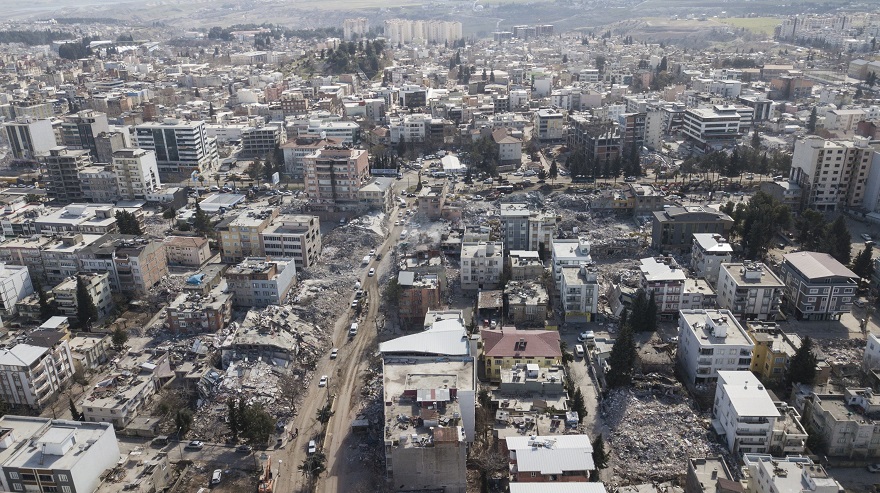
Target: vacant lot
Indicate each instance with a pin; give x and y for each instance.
(757, 25)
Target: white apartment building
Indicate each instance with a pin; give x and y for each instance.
(707, 254)
(710, 341)
(569, 252)
(579, 289)
(180, 147)
(409, 128)
(549, 124)
(98, 286)
(355, 28)
(832, 174)
(28, 137)
(663, 277)
(137, 173)
(32, 376)
(749, 290)
(15, 285)
(525, 229)
(795, 474)
(481, 264)
(258, 282)
(296, 237)
(404, 31)
(713, 128)
(743, 414)
(871, 359)
(43, 455)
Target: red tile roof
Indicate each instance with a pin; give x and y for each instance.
(504, 342)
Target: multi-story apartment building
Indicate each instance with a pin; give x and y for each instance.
(32, 376)
(579, 290)
(673, 228)
(525, 229)
(291, 236)
(258, 282)
(378, 194)
(524, 265)
(773, 350)
(240, 236)
(334, 175)
(632, 129)
(569, 252)
(295, 150)
(710, 475)
(44, 455)
(61, 257)
(432, 198)
(509, 147)
(817, 286)
(482, 263)
(432, 452)
(419, 293)
(708, 252)
(743, 412)
(98, 184)
(663, 277)
(600, 141)
(137, 173)
(98, 287)
(715, 127)
(710, 341)
(25, 251)
(355, 28)
(15, 285)
(549, 125)
(78, 130)
(749, 290)
(846, 422)
(262, 140)
(832, 174)
(119, 397)
(78, 218)
(187, 250)
(769, 474)
(133, 264)
(194, 314)
(28, 137)
(180, 147)
(404, 31)
(63, 166)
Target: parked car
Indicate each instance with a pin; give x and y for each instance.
(323, 381)
(313, 447)
(334, 353)
(874, 468)
(372, 272)
(243, 449)
(195, 445)
(859, 303)
(216, 476)
(588, 335)
(866, 237)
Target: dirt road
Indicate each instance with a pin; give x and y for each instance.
(345, 374)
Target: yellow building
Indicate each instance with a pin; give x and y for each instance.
(240, 235)
(507, 346)
(773, 349)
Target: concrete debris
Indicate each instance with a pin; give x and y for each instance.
(653, 432)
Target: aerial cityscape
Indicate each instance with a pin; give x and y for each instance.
(461, 247)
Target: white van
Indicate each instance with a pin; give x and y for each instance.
(579, 350)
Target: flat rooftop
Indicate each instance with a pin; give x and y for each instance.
(38, 430)
(704, 322)
(752, 275)
(420, 394)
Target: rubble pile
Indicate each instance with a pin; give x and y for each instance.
(156, 226)
(653, 432)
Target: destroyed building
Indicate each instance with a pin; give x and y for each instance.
(419, 293)
(273, 335)
(191, 313)
(527, 303)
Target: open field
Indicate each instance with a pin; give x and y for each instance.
(758, 25)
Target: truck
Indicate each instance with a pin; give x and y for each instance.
(365, 260)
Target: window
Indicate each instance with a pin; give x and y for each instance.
(65, 489)
(533, 474)
(16, 486)
(47, 478)
(13, 475)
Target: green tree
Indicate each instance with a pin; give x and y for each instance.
(837, 241)
(802, 367)
(863, 264)
(74, 414)
(32, 198)
(811, 226)
(758, 222)
(201, 221)
(86, 311)
(255, 169)
(183, 422)
(170, 214)
(554, 170)
(232, 415)
(256, 425)
(651, 313)
(639, 308)
(128, 224)
(811, 122)
(600, 455)
(621, 362)
(119, 337)
(313, 465)
(578, 404)
(47, 308)
(324, 414)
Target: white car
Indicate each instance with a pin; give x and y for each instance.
(313, 447)
(586, 336)
(866, 237)
(334, 353)
(323, 381)
(397, 223)
(372, 272)
(373, 252)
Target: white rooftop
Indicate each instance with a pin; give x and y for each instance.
(747, 395)
(655, 271)
(713, 243)
(446, 337)
(557, 488)
(552, 454)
